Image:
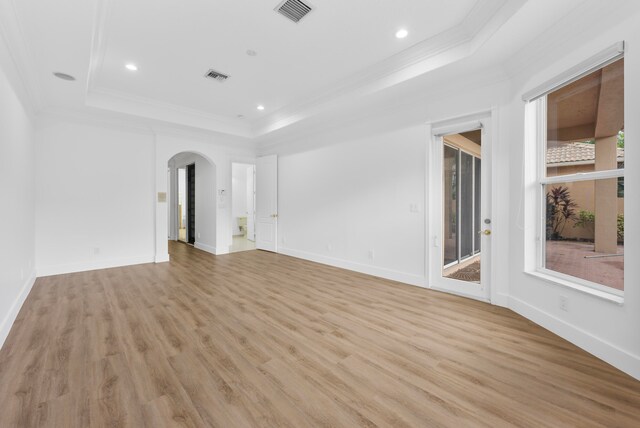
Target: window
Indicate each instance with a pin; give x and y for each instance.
(581, 179)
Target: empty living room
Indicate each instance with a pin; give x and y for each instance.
(320, 213)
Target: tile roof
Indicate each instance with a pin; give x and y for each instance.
(575, 152)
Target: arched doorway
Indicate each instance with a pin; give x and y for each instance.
(191, 200)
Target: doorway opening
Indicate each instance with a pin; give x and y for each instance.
(462, 201)
(243, 203)
(187, 204)
(192, 204)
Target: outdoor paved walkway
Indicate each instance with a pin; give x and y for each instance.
(569, 258)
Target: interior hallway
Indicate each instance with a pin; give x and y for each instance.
(260, 339)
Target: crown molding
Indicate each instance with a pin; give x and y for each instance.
(122, 102)
(148, 127)
(20, 53)
(389, 110)
(51, 115)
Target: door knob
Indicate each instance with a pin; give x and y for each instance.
(274, 215)
(485, 232)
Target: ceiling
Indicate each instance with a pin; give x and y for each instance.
(340, 51)
(175, 46)
(592, 106)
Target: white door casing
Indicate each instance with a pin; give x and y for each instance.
(267, 203)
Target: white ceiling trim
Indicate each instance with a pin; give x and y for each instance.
(124, 122)
(445, 48)
(20, 51)
(118, 101)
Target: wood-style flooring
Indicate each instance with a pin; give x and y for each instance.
(255, 339)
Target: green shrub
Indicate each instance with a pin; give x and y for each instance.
(587, 219)
(621, 227)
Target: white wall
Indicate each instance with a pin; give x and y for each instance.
(94, 197)
(17, 164)
(97, 187)
(348, 190)
(206, 209)
(342, 202)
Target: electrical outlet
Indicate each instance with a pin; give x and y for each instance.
(564, 303)
(198, 235)
(414, 208)
(371, 254)
(329, 247)
(96, 251)
(284, 241)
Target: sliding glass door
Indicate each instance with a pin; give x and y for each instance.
(462, 204)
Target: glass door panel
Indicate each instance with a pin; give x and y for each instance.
(461, 221)
(466, 205)
(450, 232)
(477, 204)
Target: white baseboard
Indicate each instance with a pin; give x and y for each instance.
(162, 258)
(500, 299)
(205, 247)
(392, 275)
(7, 322)
(99, 264)
(613, 355)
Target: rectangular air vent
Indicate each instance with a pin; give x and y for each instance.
(216, 75)
(294, 10)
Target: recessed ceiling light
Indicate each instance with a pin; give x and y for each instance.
(251, 52)
(402, 33)
(260, 107)
(240, 116)
(132, 67)
(64, 76)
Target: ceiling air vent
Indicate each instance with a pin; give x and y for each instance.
(216, 75)
(295, 10)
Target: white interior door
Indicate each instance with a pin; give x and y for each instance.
(460, 233)
(267, 203)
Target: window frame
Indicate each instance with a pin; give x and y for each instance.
(541, 180)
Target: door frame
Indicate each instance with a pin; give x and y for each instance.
(434, 177)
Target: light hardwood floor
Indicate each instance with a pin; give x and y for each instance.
(259, 339)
